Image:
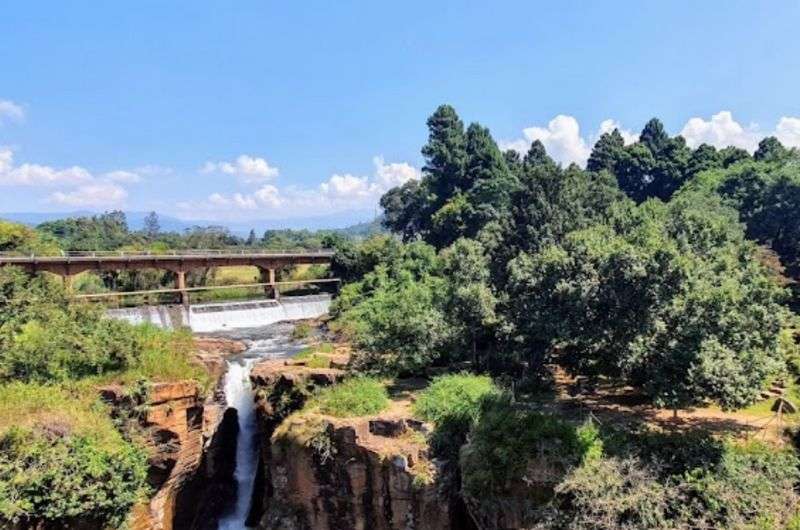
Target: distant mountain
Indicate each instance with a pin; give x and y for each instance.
(343, 220)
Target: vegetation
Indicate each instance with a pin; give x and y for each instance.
(357, 396)
(62, 456)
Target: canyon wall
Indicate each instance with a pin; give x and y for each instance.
(323, 473)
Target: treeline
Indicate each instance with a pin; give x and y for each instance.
(660, 266)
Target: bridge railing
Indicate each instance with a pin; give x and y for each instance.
(232, 251)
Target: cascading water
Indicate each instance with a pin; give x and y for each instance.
(265, 343)
(214, 317)
(264, 326)
(239, 395)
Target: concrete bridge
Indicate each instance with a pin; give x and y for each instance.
(67, 264)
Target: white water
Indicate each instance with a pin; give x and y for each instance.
(213, 317)
(264, 343)
(239, 395)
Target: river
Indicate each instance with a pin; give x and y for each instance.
(268, 342)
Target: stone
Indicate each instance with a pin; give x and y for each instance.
(388, 428)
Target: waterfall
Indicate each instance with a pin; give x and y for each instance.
(239, 395)
(214, 317)
(266, 343)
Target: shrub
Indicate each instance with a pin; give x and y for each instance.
(454, 396)
(301, 331)
(55, 479)
(453, 402)
(508, 441)
(359, 396)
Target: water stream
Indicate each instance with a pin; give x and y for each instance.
(265, 326)
(268, 342)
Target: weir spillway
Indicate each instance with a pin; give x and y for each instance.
(222, 316)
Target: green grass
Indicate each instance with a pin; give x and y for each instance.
(69, 407)
(323, 347)
(454, 396)
(302, 331)
(359, 396)
(319, 361)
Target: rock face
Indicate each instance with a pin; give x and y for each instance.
(189, 441)
(322, 473)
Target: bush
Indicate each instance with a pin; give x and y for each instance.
(53, 479)
(750, 487)
(61, 457)
(359, 396)
(453, 402)
(454, 396)
(507, 442)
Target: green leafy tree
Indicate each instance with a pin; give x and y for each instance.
(770, 149)
(670, 298)
(606, 152)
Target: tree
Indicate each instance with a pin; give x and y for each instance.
(668, 297)
(703, 158)
(606, 152)
(654, 137)
(445, 155)
(251, 238)
(151, 226)
(470, 307)
(537, 155)
(770, 149)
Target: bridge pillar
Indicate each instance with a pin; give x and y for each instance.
(268, 276)
(180, 284)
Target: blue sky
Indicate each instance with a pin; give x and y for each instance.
(256, 109)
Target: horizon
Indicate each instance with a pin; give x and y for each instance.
(265, 113)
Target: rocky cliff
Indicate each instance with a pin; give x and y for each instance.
(191, 442)
(324, 473)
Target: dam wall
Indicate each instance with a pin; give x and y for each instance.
(221, 316)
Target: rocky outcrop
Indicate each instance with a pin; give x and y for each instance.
(183, 433)
(323, 473)
(190, 440)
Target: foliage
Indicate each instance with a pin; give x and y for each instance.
(394, 313)
(456, 396)
(453, 403)
(19, 238)
(466, 184)
(56, 479)
(767, 197)
(510, 446)
(357, 396)
(747, 486)
(669, 297)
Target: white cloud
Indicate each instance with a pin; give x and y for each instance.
(10, 111)
(720, 131)
(561, 138)
(98, 195)
(249, 169)
(346, 186)
(123, 176)
(338, 193)
(388, 176)
(607, 126)
(788, 131)
(38, 175)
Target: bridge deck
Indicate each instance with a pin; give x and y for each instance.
(178, 261)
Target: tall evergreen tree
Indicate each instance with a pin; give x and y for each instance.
(654, 136)
(445, 154)
(606, 152)
(151, 225)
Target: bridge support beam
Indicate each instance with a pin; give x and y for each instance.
(268, 276)
(180, 284)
